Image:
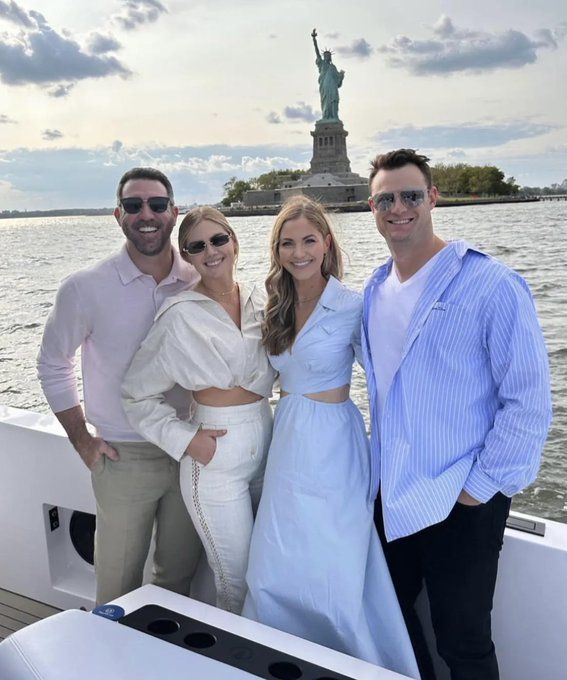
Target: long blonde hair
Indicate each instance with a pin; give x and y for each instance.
(197, 215)
(278, 331)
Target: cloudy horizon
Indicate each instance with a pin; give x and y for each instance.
(213, 90)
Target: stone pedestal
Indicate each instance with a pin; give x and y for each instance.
(330, 180)
(329, 148)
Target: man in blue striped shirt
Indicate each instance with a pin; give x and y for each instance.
(460, 405)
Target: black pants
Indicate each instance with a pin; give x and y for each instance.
(457, 560)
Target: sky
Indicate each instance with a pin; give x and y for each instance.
(207, 90)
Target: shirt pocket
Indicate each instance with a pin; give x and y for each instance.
(257, 305)
(318, 349)
(451, 326)
(329, 348)
(254, 323)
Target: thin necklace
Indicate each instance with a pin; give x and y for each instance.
(309, 299)
(226, 292)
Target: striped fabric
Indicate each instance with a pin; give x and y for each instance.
(470, 405)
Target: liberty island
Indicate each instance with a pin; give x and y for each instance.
(329, 179)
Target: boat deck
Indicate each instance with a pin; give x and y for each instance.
(17, 612)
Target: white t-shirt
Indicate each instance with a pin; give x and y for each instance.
(391, 310)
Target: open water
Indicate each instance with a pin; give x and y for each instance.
(532, 238)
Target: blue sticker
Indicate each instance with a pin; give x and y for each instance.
(109, 611)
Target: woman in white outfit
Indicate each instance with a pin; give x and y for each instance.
(209, 341)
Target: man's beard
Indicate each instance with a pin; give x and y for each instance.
(145, 245)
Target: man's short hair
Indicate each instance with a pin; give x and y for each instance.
(397, 159)
(144, 173)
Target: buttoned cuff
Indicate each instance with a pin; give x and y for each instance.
(479, 485)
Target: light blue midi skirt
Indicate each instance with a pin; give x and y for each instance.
(316, 567)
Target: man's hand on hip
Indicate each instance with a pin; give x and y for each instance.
(466, 499)
(88, 447)
(91, 450)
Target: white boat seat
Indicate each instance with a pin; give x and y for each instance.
(76, 645)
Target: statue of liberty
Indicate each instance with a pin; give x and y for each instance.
(330, 79)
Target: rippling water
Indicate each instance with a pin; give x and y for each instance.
(531, 238)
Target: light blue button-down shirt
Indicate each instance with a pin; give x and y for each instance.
(469, 406)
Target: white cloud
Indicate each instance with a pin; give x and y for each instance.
(301, 111)
(359, 49)
(88, 177)
(12, 12)
(99, 43)
(138, 12)
(56, 60)
(42, 56)
(10, 196)
(51, 135)
(453, 50)
(61, 90)
(466, 134)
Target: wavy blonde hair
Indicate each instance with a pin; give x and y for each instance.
(194, 217)
(278, 330)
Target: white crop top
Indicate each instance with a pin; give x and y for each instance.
(194, 343)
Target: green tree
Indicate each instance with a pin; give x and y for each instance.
(275, 178)
(234, 190)
(513, 187)
(460, 179)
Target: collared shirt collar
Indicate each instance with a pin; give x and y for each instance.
(453, 249)
(180, 270)
(191, 294)
(331, 293)
(246, 293)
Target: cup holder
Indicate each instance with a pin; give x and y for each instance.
(163, 627)
(200, 640)
(222, 646)
(283, 670)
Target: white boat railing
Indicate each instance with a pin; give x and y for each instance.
(40, 471)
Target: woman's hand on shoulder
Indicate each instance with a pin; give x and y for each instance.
(203, 445)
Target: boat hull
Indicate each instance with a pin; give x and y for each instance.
(41, 471)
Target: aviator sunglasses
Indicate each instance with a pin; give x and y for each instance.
(411, 198)
(157, 204)
(194, 247)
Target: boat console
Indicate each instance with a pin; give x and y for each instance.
(159, 634)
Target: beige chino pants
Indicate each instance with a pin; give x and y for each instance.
(133, 493)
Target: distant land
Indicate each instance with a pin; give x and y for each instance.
(65, 212)
(362, 206)
(242, 211)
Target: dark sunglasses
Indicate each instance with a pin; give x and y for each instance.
(157, 204)
(194, 247)
(411, 198)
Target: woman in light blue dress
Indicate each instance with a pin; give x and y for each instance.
(316, 567)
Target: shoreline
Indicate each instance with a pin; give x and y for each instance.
(362, 206)
(359, 206)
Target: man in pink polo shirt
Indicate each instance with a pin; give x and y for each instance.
(107, 310)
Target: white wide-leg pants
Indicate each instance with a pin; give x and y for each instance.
(222, 497)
